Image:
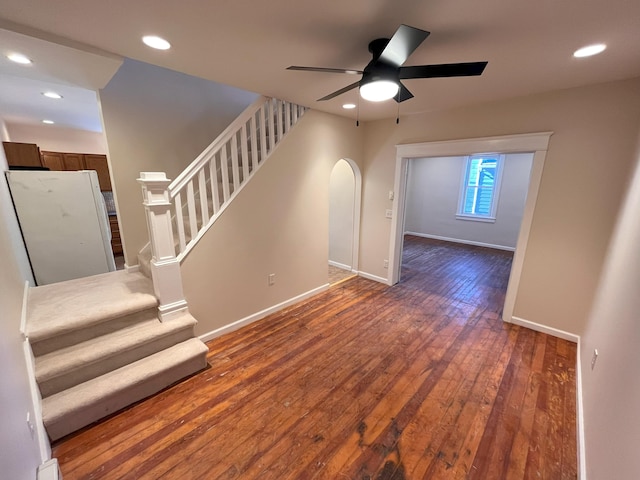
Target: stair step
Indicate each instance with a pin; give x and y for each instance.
(79, 406)
(70, 366)
(61, 314)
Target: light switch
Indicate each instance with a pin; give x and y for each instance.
(388, 213)
(390, 194)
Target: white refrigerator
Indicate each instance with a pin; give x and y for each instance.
(64, 223)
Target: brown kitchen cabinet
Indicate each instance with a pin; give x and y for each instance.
(22, 154)
(79, 161)
(116, 242)
(53, 160)
(63, 161)
(99, 164)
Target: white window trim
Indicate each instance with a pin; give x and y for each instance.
(496, 190)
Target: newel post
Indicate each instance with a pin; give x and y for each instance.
(165, 267)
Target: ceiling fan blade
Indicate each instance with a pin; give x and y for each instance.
(326, 70)
(402, 44)
(403, 94)
(340, 92)
(468, 69)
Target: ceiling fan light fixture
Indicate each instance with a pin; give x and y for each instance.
(379, 90)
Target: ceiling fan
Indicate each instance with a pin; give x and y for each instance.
(381, 77)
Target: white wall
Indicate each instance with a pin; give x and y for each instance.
(278, 224)
(158, 120)
(433, 190)
(611, 391)
(19, 453)
(342, 191)
(58, 139)
(591, 150)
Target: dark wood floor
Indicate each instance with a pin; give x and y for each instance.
(418, 381)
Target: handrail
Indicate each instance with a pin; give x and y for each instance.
(188, 173)
(197, 197)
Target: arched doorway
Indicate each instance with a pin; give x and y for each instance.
(345, 186)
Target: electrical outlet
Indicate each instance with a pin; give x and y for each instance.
(272, 279)
(390, 194)
(388, 213)
(594, 358)
(385, 263)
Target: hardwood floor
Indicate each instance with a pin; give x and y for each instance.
(418, 381)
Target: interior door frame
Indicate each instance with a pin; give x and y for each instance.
(536, 143)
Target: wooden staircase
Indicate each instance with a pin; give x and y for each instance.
(99, 347)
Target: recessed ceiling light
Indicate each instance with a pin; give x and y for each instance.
(349, 106)
(156, 42)
(590, 50)
(19, 58)
(54, 95)
(48, 122)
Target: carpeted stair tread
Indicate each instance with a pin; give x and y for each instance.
(76, 407)
(69, 366)
(59, 308)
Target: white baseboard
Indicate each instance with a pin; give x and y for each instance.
(466, 242)
(49, 470)
(375, 278)
(23, 316)
(341, 265)
(582, 461)
(545, 329)
(131, 268)
(44, 448)
(261, 314)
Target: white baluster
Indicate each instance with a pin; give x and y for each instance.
(191, 211)
(213, 176)
(235, 169)
(245, 153)
(180, 222)
(295, 114)
(280, 127)
(263, 134)
(287, 116)
(202, 191)
(254, 143)
(272, 132)
(165, 267)
(224, 169)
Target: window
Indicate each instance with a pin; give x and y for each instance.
(480, 188)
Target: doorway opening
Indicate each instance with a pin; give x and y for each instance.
(345, 187)
(536, 144)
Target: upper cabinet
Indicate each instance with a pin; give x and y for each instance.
(99, 164)
(79, 161)
(22, 154)
(29, 155)
(53, 160)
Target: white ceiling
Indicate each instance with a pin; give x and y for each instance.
(75, 73)
(249, 43)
